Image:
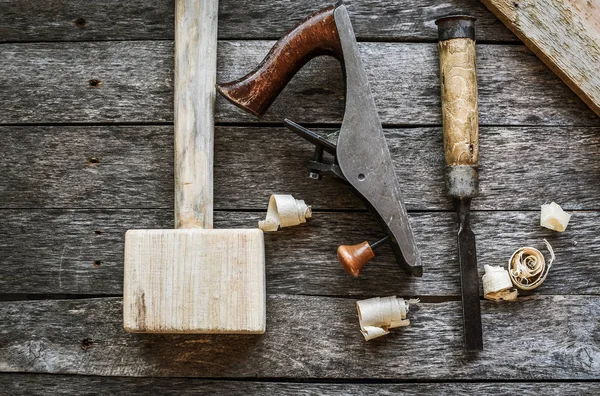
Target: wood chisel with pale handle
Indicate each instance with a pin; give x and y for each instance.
(458, 78)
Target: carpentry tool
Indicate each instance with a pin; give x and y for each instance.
(565, 35)
(361, 155)
(194, 279)
(458, 79)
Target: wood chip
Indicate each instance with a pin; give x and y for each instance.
(554, 218)
(377, 315)
(497, 284)
(284, 211)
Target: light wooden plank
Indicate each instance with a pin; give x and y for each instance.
(50, 83)
(43, 384)
(75, 20)
(132, 167)
(564, 34)
(551, 337)
(195, 79)
(81, 252)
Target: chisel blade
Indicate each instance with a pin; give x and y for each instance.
(469, 278)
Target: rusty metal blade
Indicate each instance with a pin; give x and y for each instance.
(469, 278)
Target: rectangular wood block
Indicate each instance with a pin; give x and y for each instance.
(194, 281)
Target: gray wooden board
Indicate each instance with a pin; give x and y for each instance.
(50, 83)
(132, 167)
(44, 384)
(72, 20)
(68, 193)
(81, 252)
(537, 338)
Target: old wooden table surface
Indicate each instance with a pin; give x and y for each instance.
(86, 100)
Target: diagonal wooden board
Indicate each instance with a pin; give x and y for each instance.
(564, 34)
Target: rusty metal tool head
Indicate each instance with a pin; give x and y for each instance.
(458, 78)
(362, 157)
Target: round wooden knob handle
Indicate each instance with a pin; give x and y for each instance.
(354, 257)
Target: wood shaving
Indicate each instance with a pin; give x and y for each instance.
(527, 267)
(377, 315)
(554, 218)
(497, 284)
(284, 211)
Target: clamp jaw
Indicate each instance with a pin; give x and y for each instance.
(361, 155)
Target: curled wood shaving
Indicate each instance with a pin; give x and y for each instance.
(284, 211)
(497, 284)
(527, 267)
(377, 315)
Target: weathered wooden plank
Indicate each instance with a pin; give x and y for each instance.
(551, 337)
(87, 82)
(565, 35)
(132, 82)
(73, 20)
(132, 167)
(81, 252)
(44, 384)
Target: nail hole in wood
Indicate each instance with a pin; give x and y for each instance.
(516, 5)
(87, 343)
(93, 161)
(94, 83)
(80, 23)
(98, 232)
(97, 263)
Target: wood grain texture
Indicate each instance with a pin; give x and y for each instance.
(194, 281)
(132, 167)
(81, 252)
(50, 83)
(316, 337)
(458, 81)
(42, 384)
(195, 79)
(74, 20)
(564, 34)
(122, 177)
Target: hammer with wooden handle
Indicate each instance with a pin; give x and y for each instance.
(194, 279)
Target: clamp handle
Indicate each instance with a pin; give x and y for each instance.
(314, 36)
(354, 257)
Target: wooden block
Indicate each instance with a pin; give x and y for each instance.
(194, 281)
(565, 35)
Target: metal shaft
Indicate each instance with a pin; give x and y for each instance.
(469, 277)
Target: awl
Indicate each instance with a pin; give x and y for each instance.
(458, 78)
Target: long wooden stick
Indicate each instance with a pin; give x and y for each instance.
(564, 34)
(195, 78)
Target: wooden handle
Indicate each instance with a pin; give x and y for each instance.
(459, 101)
(353, 258)
(316, 35)
(195, 77)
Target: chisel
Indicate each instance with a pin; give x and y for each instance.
(458, 78)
